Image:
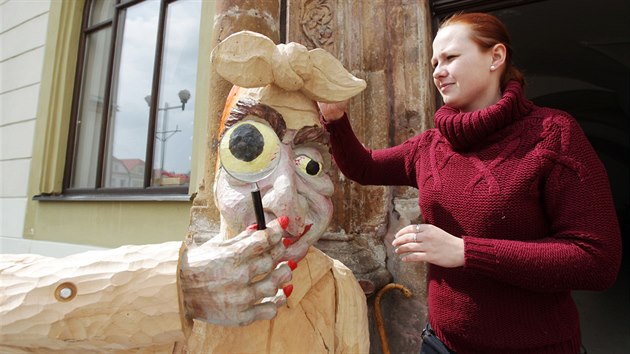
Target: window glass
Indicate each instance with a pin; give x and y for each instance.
(129, 113)
(174, 129)
(134, 107)
(102, 10)
(89, 121)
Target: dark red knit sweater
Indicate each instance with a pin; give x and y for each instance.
(525, 190)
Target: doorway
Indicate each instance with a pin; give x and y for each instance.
(576, 57)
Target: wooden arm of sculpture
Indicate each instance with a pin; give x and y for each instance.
(135, 297)
(115, 299)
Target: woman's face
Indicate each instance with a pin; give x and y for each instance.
(299, 188)
(462, 71)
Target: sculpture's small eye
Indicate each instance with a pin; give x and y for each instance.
(308, 165)
(249, 149)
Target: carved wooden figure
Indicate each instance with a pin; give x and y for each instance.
(277, 86)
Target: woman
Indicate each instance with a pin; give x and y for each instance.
(517, 205)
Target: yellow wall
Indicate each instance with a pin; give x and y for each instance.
(111, 224)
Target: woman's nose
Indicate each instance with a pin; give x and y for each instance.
(438, 71)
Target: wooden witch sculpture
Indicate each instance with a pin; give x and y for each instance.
(255, 287)
(270, 129)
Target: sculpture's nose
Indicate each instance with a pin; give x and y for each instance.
(284, 199)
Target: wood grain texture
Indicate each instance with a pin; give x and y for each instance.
(326, 313)
(117, 301)
(388, 44)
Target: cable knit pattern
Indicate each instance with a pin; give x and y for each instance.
(526, 191)
(464, 130)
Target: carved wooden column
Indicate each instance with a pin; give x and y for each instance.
(231, 16)
(387, 43)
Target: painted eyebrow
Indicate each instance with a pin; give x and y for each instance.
(247, 107)
(311, 133)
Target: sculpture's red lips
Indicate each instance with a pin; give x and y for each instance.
(289, 239)
(307, 228)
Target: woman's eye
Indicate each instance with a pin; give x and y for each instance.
(308, 165)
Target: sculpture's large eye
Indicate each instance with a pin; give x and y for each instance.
(308, 165)
(249, 150)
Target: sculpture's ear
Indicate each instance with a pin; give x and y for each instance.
(329, 81)
(244, 59)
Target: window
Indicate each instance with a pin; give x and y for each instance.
(133, 106)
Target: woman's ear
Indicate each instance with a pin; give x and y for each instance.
(499, 53)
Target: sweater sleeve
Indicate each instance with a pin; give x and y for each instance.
(389, 166)
(583, 249)
(118, 300)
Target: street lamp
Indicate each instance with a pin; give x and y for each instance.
(164, 134)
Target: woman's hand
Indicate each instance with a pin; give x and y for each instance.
(429, 243)
(237, 281)
(333, 111)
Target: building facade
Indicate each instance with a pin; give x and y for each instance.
(72, 178)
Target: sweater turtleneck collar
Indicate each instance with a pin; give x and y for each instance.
(466, 129)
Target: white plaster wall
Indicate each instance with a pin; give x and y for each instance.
(23, 29)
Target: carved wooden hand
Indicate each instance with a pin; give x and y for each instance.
(237, 281)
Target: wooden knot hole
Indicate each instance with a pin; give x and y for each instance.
(65, 292)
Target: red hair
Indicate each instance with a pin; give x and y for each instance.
(230, 102)
(486, 32)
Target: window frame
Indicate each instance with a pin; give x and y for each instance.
(99, 189)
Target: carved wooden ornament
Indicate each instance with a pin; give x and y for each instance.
(292, 67)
